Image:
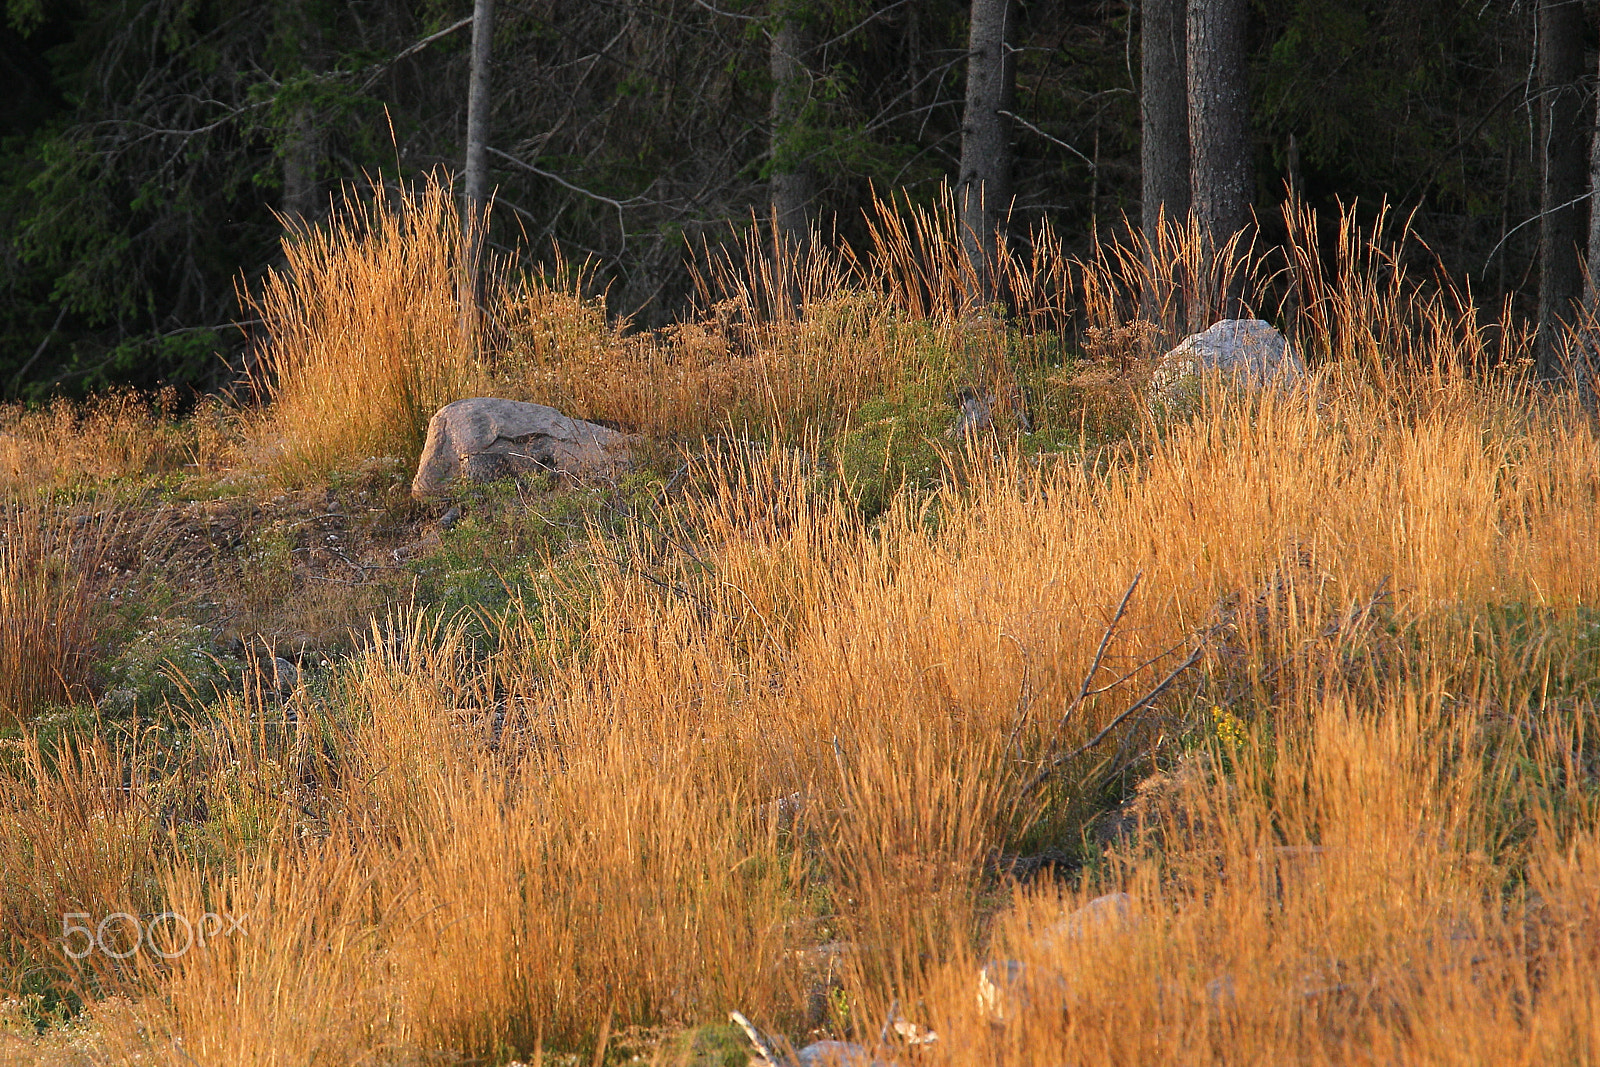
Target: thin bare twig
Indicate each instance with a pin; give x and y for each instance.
(1105, 731)
(863, 24)
(1100, 653)
(619, 205)
(1144, 701)
(1087, 688)
(1529, 221)
(1053, 140)
(729, 14)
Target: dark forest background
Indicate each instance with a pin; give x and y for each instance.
(151, 150)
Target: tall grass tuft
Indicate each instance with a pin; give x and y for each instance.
(1367, 310)
(50, 601)
(365, 333)
(77, 836)
(1173, 285)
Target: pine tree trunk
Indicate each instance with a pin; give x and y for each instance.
(983, 187)
(1222, 172)
(302, 157)
(792, 184)
(303, 144)
(1591, 296)
(1164, 107)
(1560, 44)
(475, 183)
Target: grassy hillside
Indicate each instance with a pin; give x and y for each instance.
(822, 708)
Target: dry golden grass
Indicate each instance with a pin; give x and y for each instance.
(366, 341)
(50, 588)
(1374, 910)
(1367, 829)
(118, 435)
(77, 835)
(698, 378)
(365, 335)
(787, 342)
(617, 854)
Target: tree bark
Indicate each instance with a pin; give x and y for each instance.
(302, 158)
(303, 144)
(475, 182)
(1563, 178)
(792, 185)
(1222, 171)
(475, 185)
(1164, 109)
(983, 186)
(1591, 295)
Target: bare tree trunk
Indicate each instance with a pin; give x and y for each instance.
(1563, 181)
(1164, 108)
(983, 187)
(1221, 165)
(475, 184)
(303, 145)
(302, 157)
(792, 184)
(1591, 295)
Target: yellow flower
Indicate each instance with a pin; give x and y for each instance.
(1230, 730)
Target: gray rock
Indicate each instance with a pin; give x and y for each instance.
(975, 411)
(484, 438)
(1006, 988)
(1249, 352)
(1221, 992)
(1109, 914)
(834, 1054)
(272, 679)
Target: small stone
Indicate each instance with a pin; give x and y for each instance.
(276, 678)
(834, 1054)
(449, 519)
(1000, 988)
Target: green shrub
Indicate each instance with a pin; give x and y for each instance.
(891, 446)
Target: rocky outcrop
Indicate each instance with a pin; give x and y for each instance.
(1244, 352)
(484, 438)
